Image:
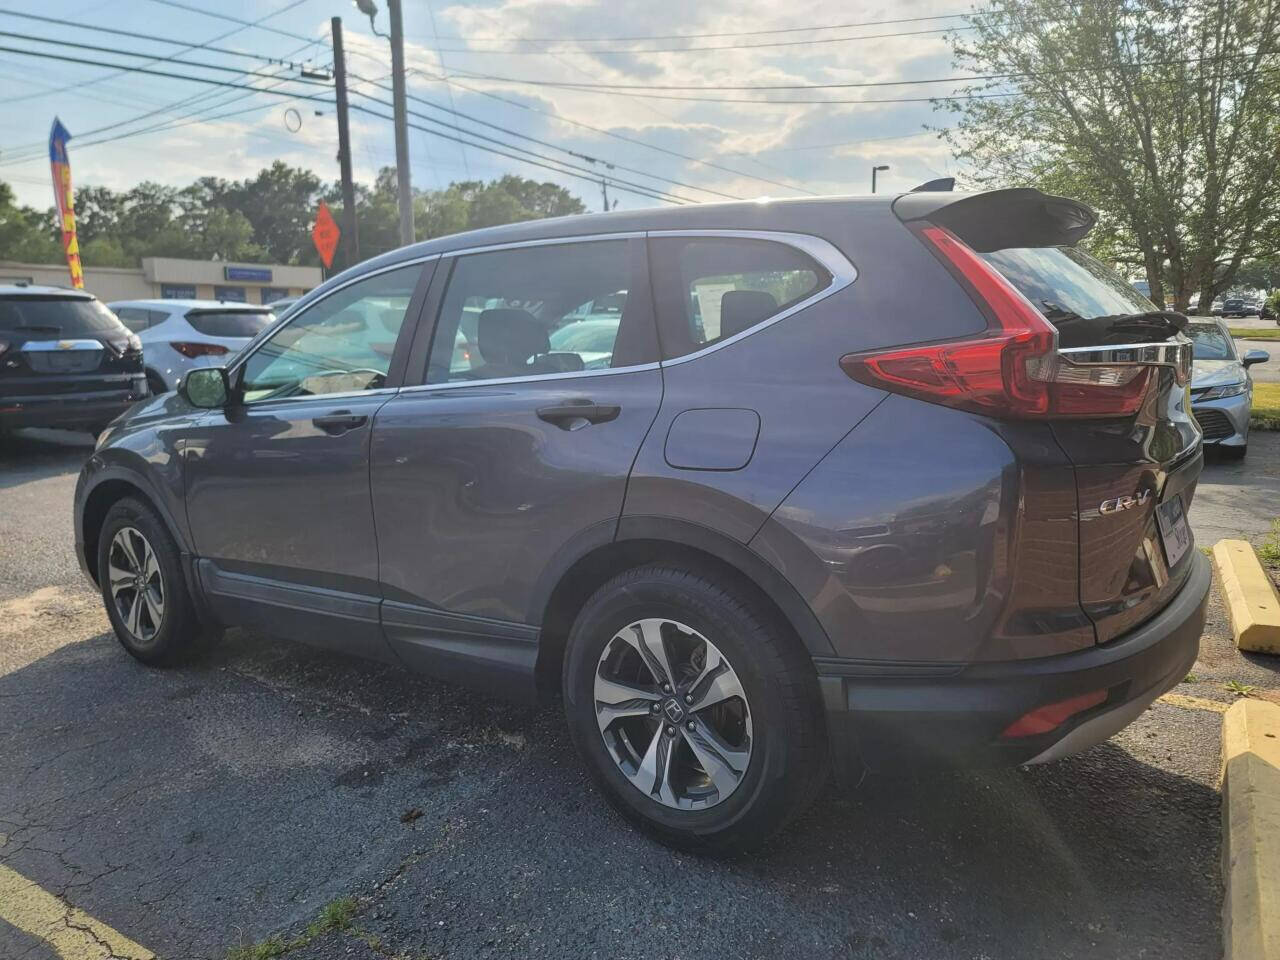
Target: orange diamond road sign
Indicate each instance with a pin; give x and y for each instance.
(325, 234)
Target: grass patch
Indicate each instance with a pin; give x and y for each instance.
(1248, 333)
(1269, 552)
(1238, 688)
(1191, 678)
(335, 915)
(1266, 406)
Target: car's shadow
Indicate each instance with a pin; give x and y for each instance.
(27, 455)
(199, 807)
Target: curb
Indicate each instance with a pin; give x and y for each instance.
(1251, 831)
(1252, 603)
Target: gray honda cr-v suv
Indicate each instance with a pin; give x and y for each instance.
(801, 486)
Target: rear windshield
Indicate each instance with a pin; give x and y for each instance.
(1065, 282)
(51, 317)
(1208, 342)
(230, 323)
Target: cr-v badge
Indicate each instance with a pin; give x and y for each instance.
(1124, 503)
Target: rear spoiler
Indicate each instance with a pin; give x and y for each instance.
(998, 219)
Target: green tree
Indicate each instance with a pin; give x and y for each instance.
(26, 234)
(1159, 113)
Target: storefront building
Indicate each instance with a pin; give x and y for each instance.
(173, 279)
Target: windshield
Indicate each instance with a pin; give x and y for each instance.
(1209, 342)
(54, 317)
(1066, 280)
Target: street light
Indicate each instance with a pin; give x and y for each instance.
(404, 190)
(874, 170)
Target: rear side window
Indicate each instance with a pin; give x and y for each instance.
(1065, 283)
(53, 317)
(138, 318)
(544, 309)
(230, 323)
(712, 288)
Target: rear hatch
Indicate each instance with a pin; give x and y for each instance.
(1109, 373)
(233, 328)
(71, 344)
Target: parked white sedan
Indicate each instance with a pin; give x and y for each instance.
(180, 335)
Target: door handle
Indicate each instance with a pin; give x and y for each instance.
(340, 421)
(573, 415)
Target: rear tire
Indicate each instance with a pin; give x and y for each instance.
(143, 586)
(156, 383)
(736, 746)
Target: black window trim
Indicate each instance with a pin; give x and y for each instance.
(825, 253)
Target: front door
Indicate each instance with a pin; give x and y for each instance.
(514, 449)
(278, 483)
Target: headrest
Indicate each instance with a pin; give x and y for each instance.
(740, 309)
(509, 336)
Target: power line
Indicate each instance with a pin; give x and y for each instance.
(592, 175)
(134, 35)
(556, 166)
(156, 58)
(581, 156)
(39, 145)
(617, 136)
(126, 68)
(244, 23)
(734, 33)
(700, 49)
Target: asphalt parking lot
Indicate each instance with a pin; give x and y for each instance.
(220, 805)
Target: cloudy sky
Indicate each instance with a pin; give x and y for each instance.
(548, 52)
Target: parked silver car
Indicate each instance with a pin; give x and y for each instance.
(1221, 388)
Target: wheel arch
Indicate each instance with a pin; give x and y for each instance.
(643, 540)
(107, 490)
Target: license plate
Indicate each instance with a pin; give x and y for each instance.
(1174, 530)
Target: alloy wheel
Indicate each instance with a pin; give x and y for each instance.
(136, 584)
(673, 714)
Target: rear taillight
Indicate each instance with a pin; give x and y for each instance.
(194, 350)
(1011, 369)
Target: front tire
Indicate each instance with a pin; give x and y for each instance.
(697, 714)
(143, 587)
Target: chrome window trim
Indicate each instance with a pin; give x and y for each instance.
(270, 402)
(544, 242)
(842, 271)
(255, 345)
(498, 381)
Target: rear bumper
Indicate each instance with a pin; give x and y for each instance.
(891, 717)
(79, 409)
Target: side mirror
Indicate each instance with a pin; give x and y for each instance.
(1255, 356)
(206, 387)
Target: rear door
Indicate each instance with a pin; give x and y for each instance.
(511, 453)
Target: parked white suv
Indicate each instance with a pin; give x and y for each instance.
(180, 335)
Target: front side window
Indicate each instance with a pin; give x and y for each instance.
(342, 343)
(557, 308)
(712, 288)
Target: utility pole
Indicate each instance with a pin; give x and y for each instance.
(874, 170)
(350, 224)
(401, 120)
(604, 189)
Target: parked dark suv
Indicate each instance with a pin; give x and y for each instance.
(859, 483)
(65, 360)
